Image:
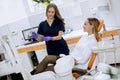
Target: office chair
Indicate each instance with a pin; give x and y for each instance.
(79, 72)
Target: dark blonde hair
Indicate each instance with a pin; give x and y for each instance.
(95, 22)
(57, 13)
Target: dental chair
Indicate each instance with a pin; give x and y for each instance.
(77, 72)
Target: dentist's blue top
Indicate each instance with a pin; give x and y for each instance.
(58, 46)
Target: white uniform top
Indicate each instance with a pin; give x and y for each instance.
(83, 50)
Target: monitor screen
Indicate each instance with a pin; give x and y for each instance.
(28, 32)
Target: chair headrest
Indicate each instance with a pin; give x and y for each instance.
(100, 25)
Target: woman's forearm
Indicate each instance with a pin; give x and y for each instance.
(40, 38)
(58, 37)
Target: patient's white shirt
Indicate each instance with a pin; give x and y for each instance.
(83, 50)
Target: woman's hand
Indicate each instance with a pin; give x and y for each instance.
(75, 61)
(34, 35)
(47, 38)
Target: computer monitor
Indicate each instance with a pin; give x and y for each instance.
(28, 32)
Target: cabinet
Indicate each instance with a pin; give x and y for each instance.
(41, 54)
(26, 59)
(113, 57)
(108, 50)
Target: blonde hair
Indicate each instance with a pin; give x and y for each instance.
(57, 13)
(95, 22)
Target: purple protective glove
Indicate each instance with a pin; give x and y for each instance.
(47, 38)
(34, 35)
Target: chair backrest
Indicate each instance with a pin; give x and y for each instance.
(92, 60)
(100, 25)
(99, 28)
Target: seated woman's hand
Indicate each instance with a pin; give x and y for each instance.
(75, 61)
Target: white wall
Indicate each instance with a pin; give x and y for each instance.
(16, 30)
(76, 12)
(115, 4)
(11, 10)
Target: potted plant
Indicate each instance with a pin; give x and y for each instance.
(45, 2)
(42, 1)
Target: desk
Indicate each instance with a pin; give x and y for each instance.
(71, 38)
(107, 48)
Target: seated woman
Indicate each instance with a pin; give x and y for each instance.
(82, 51)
